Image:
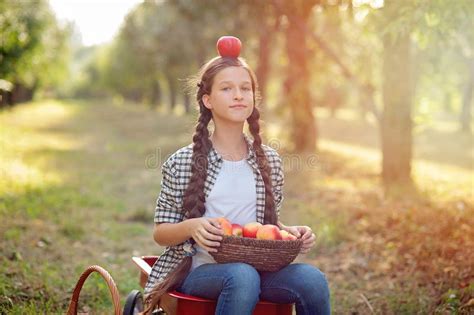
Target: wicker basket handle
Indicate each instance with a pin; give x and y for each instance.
(72, 310)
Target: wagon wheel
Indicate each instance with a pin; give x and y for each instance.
(72, 310)
(133, 303)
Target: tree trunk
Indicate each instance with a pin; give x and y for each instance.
(136, 96)
(466, 111)
(22, 93)
(155, 94)
(172, 91)
(263, 65)
(187, 103)
(5, 99)
(271, 27)
(396, 120)
(304, 131)
(200, 55)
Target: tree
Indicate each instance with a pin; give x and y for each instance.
(401, 24)
(396, 126)
(155, 48)
(304, 131)
(466, 109)
(33, 51)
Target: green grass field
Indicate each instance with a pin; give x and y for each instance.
(79, 182)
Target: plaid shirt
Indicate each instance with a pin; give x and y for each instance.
(176, 174)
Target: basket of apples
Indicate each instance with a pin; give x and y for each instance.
(265, 247)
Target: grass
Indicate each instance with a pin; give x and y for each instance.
(74, 189)
(80, 179)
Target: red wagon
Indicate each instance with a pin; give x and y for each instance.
(173, 303)
(182, 304)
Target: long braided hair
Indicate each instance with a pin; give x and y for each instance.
(194, 196)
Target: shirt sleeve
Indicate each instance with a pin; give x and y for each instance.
(168, 209)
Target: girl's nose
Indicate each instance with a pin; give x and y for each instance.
(238, 95)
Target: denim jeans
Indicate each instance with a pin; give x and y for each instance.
(237, 287)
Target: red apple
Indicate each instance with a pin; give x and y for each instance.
(237, 230)
(269, 232)
(286, 236)
(250, 229)
(229, 46)
(226, 226)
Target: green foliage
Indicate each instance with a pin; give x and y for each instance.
(31, 202)
(72, 231)
(442, 33)
(33, 50)
(163, 43)
(451, 300)
(143, 53)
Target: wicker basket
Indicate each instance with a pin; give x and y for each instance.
(264, 255)
(73, 304)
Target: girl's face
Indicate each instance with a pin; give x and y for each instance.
(231, 97)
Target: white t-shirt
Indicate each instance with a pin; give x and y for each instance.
(234, 197)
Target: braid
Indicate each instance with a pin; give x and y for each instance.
(262, 162)
(193, 204)
(194, 197)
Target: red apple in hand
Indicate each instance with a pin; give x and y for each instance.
(250, 229)
(226, 226)
(269, 232)
(229, 46)
(286, 236)
(237, 230)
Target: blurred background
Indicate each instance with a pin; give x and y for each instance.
(369, 103)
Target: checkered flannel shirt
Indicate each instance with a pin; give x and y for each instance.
(176, 174)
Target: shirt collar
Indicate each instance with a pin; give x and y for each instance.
(214, 157)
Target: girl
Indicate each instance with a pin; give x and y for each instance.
(225, 174)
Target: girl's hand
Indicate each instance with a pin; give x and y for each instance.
(306, 234)
(207, 233)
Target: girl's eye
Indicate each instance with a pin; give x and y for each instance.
(246, 89)
(226, 89)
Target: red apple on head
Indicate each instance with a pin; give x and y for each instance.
(229, 46)
(226, 226)
(250, 229)
(237, 230)
(269, 232)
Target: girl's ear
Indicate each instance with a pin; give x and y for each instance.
(205, 99)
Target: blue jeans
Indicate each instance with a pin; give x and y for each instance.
(237, 287)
